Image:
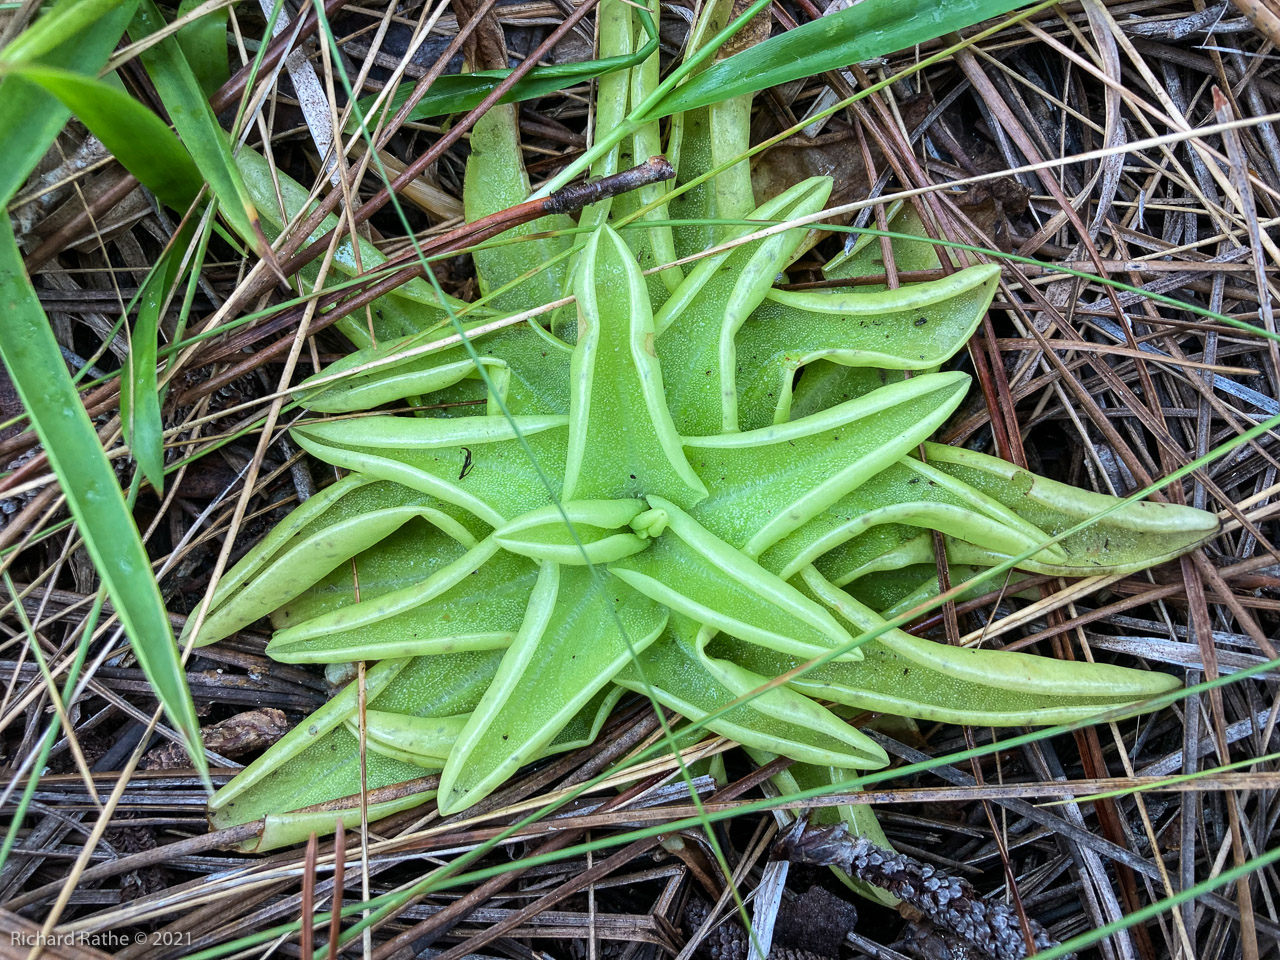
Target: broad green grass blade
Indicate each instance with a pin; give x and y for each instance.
(65, 22)
(873, 28)
(204, 44)
(135, 136)
(194, 119)
(30, 118)
(39, 373)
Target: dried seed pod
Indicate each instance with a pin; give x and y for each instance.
(951, 903)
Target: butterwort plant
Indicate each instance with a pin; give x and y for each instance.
(686, 485)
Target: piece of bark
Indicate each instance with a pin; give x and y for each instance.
(235, 736)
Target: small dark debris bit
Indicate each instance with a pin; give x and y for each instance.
(949, 903)
(729, 939)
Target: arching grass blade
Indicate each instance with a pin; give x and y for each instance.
(204, 43)
(62, 24)
(135, 136)
(30, 117)
(870, 29)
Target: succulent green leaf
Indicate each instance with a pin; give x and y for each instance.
(496, 180)
(865, 258)
(423, 741)
(579, 631)
(912, 328)
(411, 308)
(386, 386)
(587, 723)
(698, 325)
(476, 463)
(777, 720)
(316, 766)
(622, 442)
(1126, 540)
(888, 546)
(140, 394)
(1132, 538)
(333, 526)
(914, 677)
(697, 574)
(528, 367)
(318, 762)
(590, 536)
(653, 243)
(823, 724)
(614, 31)
(897, 591)
(428, 741)
(693, 468)
(704, 139)
(912, 494)
(766, 483)
(822, 384)
(652, 239)
(477, 602)
(405, 557)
